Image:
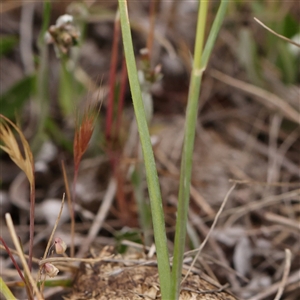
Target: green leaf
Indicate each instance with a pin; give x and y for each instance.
(290, 26)
(5, 291)
(132, 235)
(70, 89)
(150, 167)
(46, 22)
(7, 43)
(199, 65)
(13, 100)
(57, 135)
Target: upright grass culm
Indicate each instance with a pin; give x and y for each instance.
(170, 282)
(151, 172)
(186, 159)
(199, 66)
(42, 91)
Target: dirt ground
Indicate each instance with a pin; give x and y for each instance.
(247, 135)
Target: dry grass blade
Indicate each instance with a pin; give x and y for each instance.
(265, 97)
(72, 250)
(277, 34)
(25, 163)
(293, 278)
(14, 237)
(55, 226)
(71, 259)
(253, 182)
(285, 274)
(11, 147)
(211, 229)
(240, 211)
(16, 253)
(100, 217)
(271, 217)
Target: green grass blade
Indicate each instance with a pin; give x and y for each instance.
(42, 90)
(5, 291)
(186, 160)
(209, 45)
(46, 22)
(151, 173)
(200, 62)
(13, 100)
(7, 43)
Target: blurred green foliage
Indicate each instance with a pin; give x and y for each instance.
(7, 43)
(13, 100)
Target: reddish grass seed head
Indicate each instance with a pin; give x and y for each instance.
(83, 135)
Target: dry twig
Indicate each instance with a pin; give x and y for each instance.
(285, 274)
(100, 217)
(263, 96)
(277, 34)
(211, 229)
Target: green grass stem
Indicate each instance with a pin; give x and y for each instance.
(151, 172)
(42, 91)
(199, 65)
(5, 291)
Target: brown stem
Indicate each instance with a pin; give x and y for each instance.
(31, 220)
(71, 208)
(122, 95)
(153, 10)
(112, 77)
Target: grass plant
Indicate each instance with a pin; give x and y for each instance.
(170, 282)
(151, 173)
(199, 66)
(41, 95)
(24, 162)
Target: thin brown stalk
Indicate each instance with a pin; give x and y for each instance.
(238, 212)
(211, 229)
(35, 260)
(12, 259)
(73, 259)
(262, 183)
(54, 228)
(124, 80)
(286, 272)
(264, 97)
(200, 201)
(112, 77)
(51, 238)
(72, 250)
(277, 34)
(152, 13)
(14, 237)
(292, 279)
(100, 217)
(271, 217)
